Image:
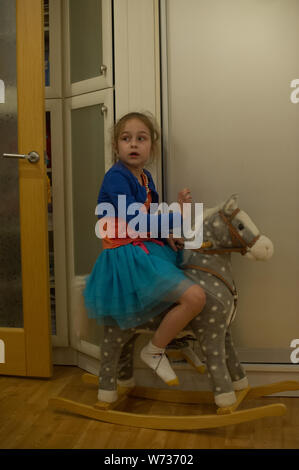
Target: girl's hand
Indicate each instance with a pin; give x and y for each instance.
(184, 196)
(175, 243)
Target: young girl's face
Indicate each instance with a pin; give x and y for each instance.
(134, 144)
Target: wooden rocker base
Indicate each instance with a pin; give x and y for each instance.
(106, 412)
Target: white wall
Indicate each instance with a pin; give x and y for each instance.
(233, 128)
(137, 62)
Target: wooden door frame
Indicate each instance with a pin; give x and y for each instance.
(28, 350)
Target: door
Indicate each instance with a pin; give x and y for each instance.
(25, 333)
(88, 113)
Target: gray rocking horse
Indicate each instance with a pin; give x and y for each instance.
(227, 229)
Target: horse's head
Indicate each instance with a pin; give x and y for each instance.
(230, 228)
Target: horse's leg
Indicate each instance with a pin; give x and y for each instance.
(114, 340)
(126, 364)
(210, 329)
(234, 366)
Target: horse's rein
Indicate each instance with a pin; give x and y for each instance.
(235, 237)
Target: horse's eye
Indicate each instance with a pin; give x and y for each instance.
(241, 227)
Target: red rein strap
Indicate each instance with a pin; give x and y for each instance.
(235, 236)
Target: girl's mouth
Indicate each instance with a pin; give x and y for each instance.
(134, 154)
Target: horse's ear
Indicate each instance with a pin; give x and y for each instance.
(231, 204)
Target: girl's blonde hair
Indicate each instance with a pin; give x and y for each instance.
(148, 120)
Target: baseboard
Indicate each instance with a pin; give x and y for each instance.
(64, 357)
(265, 355)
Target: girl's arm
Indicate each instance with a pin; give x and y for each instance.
(115, 185)
(177, 244)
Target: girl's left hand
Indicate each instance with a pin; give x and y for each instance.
(175, 243)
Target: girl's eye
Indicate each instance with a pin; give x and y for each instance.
(241, 227)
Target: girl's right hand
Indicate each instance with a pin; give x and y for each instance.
(184, 196)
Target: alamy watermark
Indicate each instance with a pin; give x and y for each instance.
(2, 92)
(2, 352)
(295, 93)
(295, 354)
(154, 223)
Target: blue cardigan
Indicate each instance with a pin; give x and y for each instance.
(119, 180)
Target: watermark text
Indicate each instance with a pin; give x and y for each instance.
(162, 220)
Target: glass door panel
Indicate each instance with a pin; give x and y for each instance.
(85, 39)
(88, 163)
(88, 45)
(10, 251)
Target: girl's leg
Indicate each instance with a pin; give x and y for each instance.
(189, 305)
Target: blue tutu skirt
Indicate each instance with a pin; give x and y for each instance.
(128, 287)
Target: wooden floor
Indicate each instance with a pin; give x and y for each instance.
(28, 422)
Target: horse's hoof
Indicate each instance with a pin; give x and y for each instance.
(241, 384)
(126, 383)
(225, 399)
(109, 396)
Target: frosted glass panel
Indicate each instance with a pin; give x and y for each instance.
(10, 252)
(88, 162)
(85, 39)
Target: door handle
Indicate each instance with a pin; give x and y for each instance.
(32, 157)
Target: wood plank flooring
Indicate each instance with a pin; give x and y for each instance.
(28, 422)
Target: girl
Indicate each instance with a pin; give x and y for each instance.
(135, 279)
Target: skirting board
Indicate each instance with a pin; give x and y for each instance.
(258, 374)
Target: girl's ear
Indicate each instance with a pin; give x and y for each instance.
(115, 149)
(231, 204)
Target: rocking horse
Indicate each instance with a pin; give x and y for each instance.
(226, 229)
